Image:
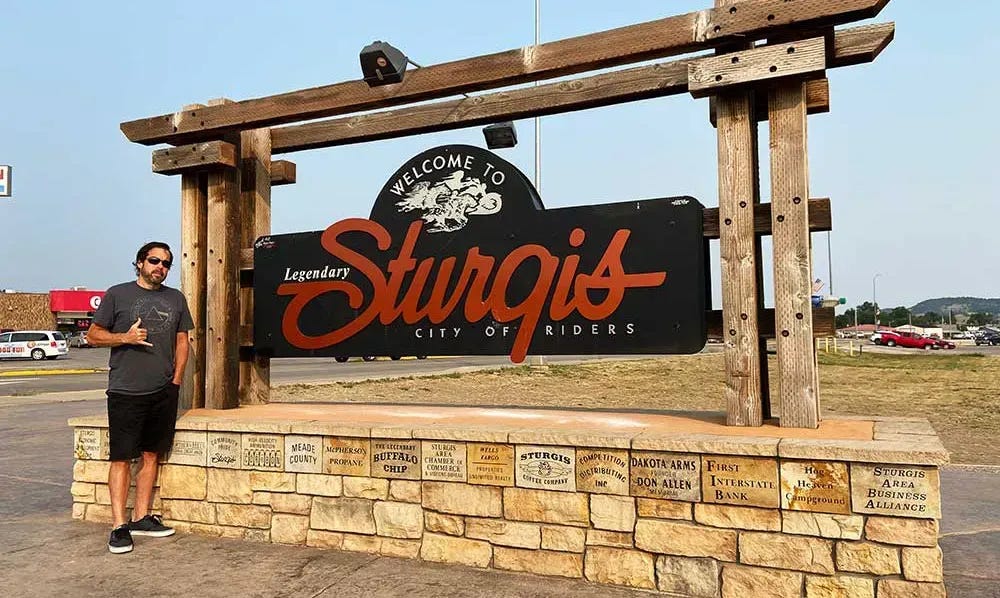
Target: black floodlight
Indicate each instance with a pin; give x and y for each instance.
(382, 64)
(500, 135)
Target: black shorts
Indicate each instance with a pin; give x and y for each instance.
(141, 423)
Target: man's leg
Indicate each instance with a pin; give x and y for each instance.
(119, 476)
(144, 482)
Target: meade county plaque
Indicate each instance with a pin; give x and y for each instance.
(820, 486)
(346, 456)
(675, 476)
(190, 448)
(91, 443)
(224, 450)
(394, 458)
(900, 490)
(602, 471)
(545, 467)
(491, 464)
(744, 481)
(263, 451)
(303, 454)
(443, 460)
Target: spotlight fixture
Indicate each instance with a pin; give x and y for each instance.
(500, 135)
(382, 64)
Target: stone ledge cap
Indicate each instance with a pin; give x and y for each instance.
(756, 446)
(921, 451)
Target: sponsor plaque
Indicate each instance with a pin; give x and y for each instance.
(820, 486)
(491, 464)
(224, 450)
(91, 443)
(346, 456)
(304, 454)
(443, 460)
(898, 490)
(673, 476)
(545, 467)
(189, 448)
(396, 458)
(743, 481)
(263, 451)
(602, 471)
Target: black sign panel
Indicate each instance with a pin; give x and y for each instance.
(459, 257)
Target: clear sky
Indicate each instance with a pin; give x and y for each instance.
(908, 153)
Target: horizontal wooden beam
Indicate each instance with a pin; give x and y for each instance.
(282, 172)
(859, 45)
(671, 36)
(817, 101)
(637, 83)
(197, 156)
(713, 74)
(824, 323)
(819, 218)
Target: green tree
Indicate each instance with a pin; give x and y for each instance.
(979, 319)
(896, 316)
(930, 318)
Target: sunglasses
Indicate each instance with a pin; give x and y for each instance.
(156, 261)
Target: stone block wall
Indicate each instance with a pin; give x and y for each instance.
(697, 516)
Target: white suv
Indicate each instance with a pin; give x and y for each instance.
(36, 344)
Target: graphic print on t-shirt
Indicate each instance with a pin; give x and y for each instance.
(155, 312)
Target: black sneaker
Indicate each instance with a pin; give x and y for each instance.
(150, 525)
(121, 540)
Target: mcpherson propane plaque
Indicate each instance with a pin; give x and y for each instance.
(460, 257)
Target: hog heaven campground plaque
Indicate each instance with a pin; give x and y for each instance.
(460, 257)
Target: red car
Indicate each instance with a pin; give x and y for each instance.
(910, 340)
(943, 344)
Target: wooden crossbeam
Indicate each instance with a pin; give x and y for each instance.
(638, 83)
(817, 101)
(671, 36)
(282, 172)
(710, 75)
(194, 157)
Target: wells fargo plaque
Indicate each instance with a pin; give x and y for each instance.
(545, 467)
(304, 454)
(656, 474)
(602, 471)
(820, 486)
(346, 456)
(396, 458)
(443, 460)
(491, 464)
(899, 490)
(744, 481)
(263, 451)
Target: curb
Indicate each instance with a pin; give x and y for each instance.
(16, 373)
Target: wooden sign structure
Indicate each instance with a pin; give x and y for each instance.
(769, 62)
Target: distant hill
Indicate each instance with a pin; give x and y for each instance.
(958, 305)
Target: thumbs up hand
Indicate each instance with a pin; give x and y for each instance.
(136, 335)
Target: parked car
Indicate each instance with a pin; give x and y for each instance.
(988, 338)
(78, 340)
(36, 344)
(910, 340)
(885, 337)
(942, 344)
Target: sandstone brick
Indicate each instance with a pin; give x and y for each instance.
(664, 509)
(613, 513)
(841, 527)
(182, 481)
(91, 471)
(322, 539)
(319, 484)
(743, 582)
(564, 508)
(359, 543)
(373, 488)
(542, 562)
(448, 549)
(698, 578)
(102, 495)
(597, 537)
(99, 513)
(181, 527)
(289, 529)
(407, 549)
(83, 492)
(897, 588)
(445, 524)
(565, 539)
(207, 529)
(404, 491)
(273, 481)
(79, 510)
(343, 515)
(295, 504)
(229, 486)
(800, 553)
(685, 539)
(243, 515)
(908, 532)
(750, 518)
(922, 564)
(619, 566)
(399, 519)
(503, 532)
(840, 586)
(868, 557)
(194, 511)
(257, 535)
(462, 499)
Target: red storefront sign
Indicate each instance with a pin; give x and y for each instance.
(79, 301)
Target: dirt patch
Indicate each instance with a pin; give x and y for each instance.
(959, 395)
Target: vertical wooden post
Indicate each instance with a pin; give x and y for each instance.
(797, 371)
(194, 226)
(223, 286)
(255, 220)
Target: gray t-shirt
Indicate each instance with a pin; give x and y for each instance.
(138, 369)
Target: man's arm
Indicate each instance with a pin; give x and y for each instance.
(100, 336)
(181, 349)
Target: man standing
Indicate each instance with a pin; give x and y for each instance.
(146, 325)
